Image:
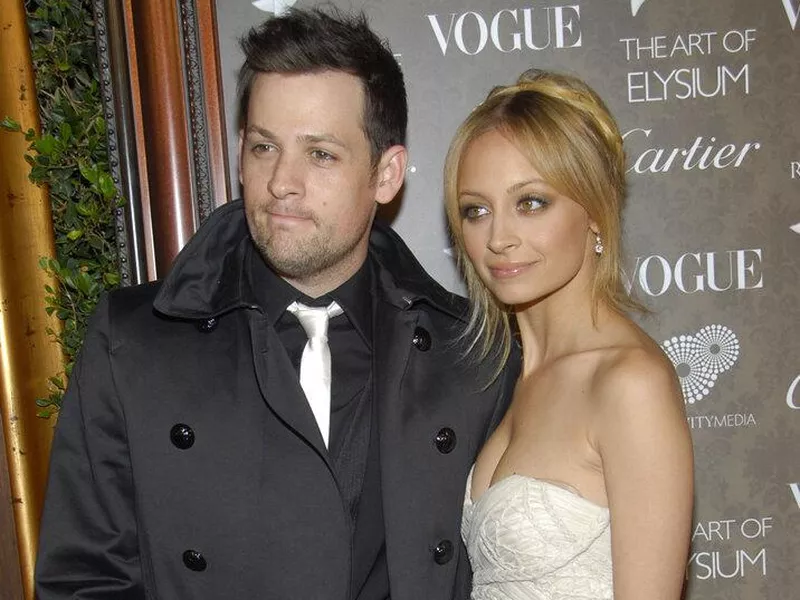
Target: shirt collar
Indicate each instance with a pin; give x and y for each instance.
(274, 294)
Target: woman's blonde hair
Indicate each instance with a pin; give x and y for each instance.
(563, 127)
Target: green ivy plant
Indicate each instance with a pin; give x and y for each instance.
(70, 157)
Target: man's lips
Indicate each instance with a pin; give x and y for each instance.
(508, 270)
(288, 217)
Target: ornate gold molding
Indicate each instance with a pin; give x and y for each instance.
(28, 356)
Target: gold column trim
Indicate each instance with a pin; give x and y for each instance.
(28, 356)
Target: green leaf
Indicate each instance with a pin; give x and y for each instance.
(84, 209)
(65, 132)
(69, 281)
(111, 279)
(45, 144)
(84, 283)
(107, 187)
(10, 124)
(56, 382)
(75, 234)
(89, 172)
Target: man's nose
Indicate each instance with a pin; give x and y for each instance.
(286, 178)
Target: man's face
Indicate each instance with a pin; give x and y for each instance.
(310, 191)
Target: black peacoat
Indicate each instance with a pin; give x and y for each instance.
(184, 467)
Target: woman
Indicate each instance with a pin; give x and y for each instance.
(585, 489)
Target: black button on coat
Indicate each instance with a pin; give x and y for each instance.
(182, 436)
(445, 440)
(194, 560)
(421, 339)
(443, 553)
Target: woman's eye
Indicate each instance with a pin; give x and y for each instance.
(531, 203)
(473, 212)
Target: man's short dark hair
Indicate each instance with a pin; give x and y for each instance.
(314, 41)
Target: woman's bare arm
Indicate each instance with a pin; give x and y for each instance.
(646, 450)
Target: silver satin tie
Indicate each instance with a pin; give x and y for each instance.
(315, 366)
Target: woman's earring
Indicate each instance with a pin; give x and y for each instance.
(598, 246)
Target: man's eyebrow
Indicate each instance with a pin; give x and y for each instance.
(258, 130)
(308, 138)
(321, 137)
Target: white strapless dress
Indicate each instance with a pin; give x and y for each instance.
(530, 539)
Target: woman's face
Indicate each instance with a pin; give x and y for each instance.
(525, 239)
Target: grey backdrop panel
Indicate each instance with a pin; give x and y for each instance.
(708, 95)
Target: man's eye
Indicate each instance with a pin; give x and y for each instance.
(322, 156)
(262, 148)
(472, 212)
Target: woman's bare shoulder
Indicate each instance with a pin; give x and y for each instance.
(636, 376)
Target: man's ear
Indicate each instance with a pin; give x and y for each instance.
(390, 174)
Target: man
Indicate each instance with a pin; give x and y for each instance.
(191, 459)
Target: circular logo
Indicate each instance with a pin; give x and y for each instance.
(699, 359)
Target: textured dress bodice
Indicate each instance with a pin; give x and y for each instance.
(530, 539)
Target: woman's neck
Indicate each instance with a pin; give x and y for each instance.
(561, 324)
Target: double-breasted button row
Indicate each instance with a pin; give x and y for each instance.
(421, 339)
(194, 560)
(443, 552)
(182, 436)
(445, 440)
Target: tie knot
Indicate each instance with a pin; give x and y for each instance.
(314, 319)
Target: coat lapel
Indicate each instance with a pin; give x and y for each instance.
(280, 385)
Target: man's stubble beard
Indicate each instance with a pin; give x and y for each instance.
(301, 258)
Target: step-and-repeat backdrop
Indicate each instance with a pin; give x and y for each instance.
(708, 97)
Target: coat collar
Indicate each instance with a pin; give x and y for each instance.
(207, 278)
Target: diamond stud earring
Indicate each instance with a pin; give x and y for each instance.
(598, 246)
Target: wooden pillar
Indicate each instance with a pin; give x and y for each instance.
(10, 572)
(176, 99)
(163, 106)
(28, 355)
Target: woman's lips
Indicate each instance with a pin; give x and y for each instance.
(508, 270)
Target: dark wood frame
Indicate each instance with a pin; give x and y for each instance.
(162, 92)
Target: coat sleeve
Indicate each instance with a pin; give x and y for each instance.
(88, 546)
